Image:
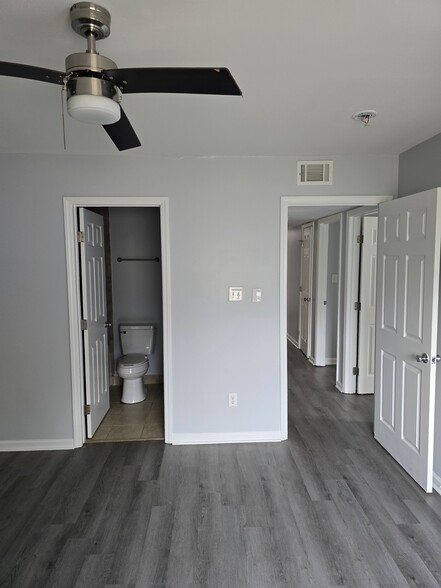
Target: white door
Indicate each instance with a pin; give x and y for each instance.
(306, 289)
(93, 284)
(366, 328)
(406, 330)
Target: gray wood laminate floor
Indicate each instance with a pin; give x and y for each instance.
(328, 507)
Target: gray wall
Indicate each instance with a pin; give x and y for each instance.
(419, 170)
(225, 230)
(137, 285)
(332, 292)
(420, 167)
(293, 282)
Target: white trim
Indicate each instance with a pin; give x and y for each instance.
(320, 292)
(311, 360)
(71, 204)
(36, 445)
(436, 483)
(352, 264)
(350, 325)
(212, 438)
(285, 203)
(322, 287)
(338, 386)
(292, 341)
(308, 350)
(331, 361)
(339, 360)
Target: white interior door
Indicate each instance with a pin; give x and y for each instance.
(306, 289)
(93, 284)
(366, 328)
(406, 330)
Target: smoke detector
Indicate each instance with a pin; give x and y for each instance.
(365, 116)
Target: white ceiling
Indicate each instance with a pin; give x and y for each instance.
(304, 66)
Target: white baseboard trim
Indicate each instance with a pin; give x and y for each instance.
(37, 445)
(312, 360)
(292, 341)
(436, 483)
(331, 361)
(339, 386)
(216, 438)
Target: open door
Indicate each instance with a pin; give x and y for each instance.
(366, 326)
(93, 289)
(306, 288)
(406, 330)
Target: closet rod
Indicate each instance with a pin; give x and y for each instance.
(119, 259)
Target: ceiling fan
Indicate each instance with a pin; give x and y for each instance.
(94, 85)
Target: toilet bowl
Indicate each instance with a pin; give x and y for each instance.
(131, 369)
(137, 343)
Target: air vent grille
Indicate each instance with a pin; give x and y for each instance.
(314, 173)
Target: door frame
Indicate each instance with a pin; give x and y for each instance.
(71, 205)
(310, 226)
(321, 289)
(350, 320)
(285, 203)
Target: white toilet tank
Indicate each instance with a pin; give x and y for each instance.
(137, 338)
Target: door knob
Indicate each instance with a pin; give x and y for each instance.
(436, 359)
(107, 325)
(422, 358)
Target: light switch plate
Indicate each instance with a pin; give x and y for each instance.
(235, 294)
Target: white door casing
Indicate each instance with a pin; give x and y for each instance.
(407, 309)
(306, 288)
(321, 293)
(93, 289)
(368, 293)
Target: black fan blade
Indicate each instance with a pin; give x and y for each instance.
(30, 72)
(122, 133)
(175, 80)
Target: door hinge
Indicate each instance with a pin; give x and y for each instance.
(87, 409)
(357, 305)
(80, 236)
(355, 371)
(83, 325)
(360, 239)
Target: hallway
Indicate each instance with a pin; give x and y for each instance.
(329, 507)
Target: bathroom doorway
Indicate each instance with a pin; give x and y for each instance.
(128, 209)
(133, 295)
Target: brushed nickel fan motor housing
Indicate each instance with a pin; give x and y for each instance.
(89, 18)
(91, 86)
(78, 64)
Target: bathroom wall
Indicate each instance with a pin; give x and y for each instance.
(137, 285)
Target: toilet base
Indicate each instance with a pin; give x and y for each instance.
(133, 391)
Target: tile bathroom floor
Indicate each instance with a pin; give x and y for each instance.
(133, 422)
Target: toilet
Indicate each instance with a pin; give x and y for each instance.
(137, 342)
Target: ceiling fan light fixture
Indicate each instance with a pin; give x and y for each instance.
(94, 109)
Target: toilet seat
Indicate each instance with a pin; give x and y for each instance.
(133, 360)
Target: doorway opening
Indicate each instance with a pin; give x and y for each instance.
(71, 207)
(322, 206)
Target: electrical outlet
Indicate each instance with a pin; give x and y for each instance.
(232, 399)
(257, 295)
